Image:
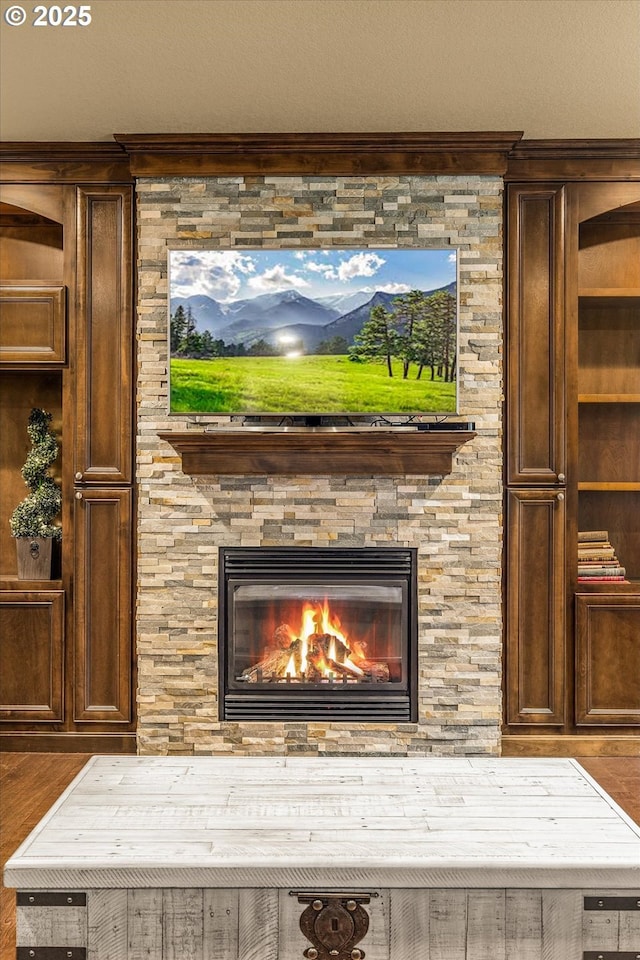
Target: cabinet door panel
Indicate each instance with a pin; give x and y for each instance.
(607, 659)
(32, 324)
(103, 608)
(535, 607)
(535, 336)
(104, 336)
(31, 651)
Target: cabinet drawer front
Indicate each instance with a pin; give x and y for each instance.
(32, 324)
(31, 652)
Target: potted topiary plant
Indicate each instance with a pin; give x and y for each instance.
(32, 520)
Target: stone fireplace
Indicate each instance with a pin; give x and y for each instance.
(450, 523)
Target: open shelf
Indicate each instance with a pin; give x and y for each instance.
(13, 583)
(617, 512)
(609, 292)
(609, 445)
(358, 453)
(609, 398)
(609, 348)
(609, 388)
(608, 485)
(20, 392)
(611, 586)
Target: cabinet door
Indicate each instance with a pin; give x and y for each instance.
(32, 324)
(607, 659)
(535, 606)
(104, 338)
(31, 652)
(102, 605)
(536, 381)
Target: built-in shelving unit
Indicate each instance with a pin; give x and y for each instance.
(609, 382)
(572, 649)
(66, 345)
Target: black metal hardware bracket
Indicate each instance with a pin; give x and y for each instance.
(611, 955)
(51, 953)
(46, 898)
(49, 899)
(612, 903)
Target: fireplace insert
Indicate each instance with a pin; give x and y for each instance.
(310, 633)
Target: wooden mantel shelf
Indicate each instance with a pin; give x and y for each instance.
(374, 452)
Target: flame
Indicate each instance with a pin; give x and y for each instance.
(318, 618)
(318, 650)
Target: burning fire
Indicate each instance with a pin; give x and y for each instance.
(319, 650)
(317, 620)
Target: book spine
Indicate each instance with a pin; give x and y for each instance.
(587, 557)
(585, 536)
(601, 571)
(601, 579)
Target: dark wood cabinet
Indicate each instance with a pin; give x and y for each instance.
(536, 376)
(31, 650)
(607, 659)
(32, 323)
(66, 654)
(536, 606)
(572, 645)
(103, 434)
(102, 608)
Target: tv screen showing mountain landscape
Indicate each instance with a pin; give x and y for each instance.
(313, 332)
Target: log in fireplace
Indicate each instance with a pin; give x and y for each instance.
(312, 633)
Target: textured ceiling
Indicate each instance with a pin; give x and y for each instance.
(552, 68)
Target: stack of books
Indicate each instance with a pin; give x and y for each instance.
(597, 559)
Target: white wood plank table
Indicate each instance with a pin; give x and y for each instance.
(211, 858)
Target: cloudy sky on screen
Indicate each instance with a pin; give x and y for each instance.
(228, 275)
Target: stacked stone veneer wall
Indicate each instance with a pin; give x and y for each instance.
(455, 521)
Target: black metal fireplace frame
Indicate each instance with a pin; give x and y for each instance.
(393, 703)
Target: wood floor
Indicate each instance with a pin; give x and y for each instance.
(30, 783)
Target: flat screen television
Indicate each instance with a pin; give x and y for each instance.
(311, 333)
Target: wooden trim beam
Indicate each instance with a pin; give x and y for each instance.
(574, 160)
(35, 741)
(375, 452)
(502, 153)
(62, 162)
(567, 745)
(336, 154)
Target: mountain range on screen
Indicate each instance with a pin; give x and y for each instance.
(288, 313)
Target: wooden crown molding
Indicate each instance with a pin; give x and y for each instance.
(345, 154)
(61, 150)
(63, 162)
(574, 160)
(626, 149)
(319, 154)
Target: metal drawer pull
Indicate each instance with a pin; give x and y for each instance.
(334, 923)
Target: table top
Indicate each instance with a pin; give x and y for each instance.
(302, 822)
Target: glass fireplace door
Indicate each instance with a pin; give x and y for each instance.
(328, 639)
